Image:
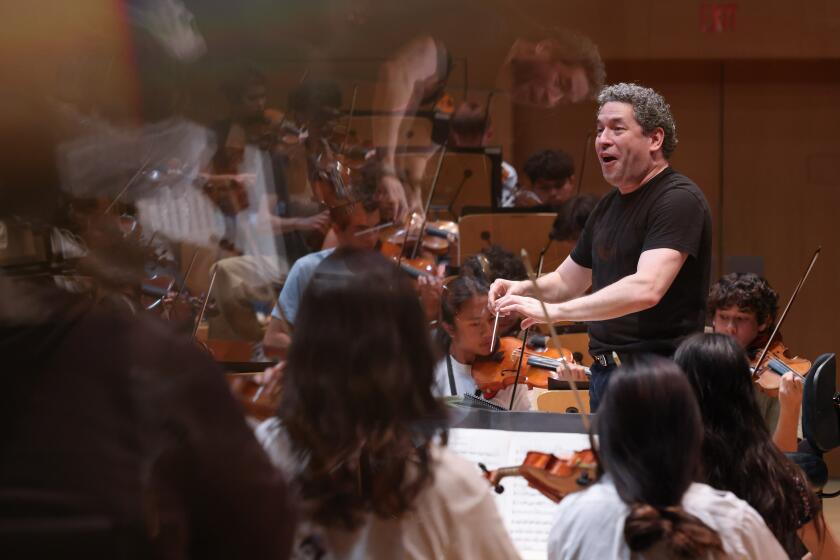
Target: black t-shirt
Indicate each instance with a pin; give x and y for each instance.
(669, 211)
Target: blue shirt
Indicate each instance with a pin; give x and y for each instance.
(296, 282)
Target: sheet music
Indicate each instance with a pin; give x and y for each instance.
(527, 514)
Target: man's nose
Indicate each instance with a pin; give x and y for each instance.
(603, 139)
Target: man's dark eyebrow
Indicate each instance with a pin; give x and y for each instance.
(613, 120)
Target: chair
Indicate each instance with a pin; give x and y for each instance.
(562, 402)
(820, 418)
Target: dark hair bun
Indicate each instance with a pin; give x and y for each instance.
(684, 535)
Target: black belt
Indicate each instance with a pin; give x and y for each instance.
(606, 359)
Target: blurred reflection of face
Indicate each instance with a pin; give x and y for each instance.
(541, 82)
(473, 327)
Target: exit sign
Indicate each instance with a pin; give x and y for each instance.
(718, 17)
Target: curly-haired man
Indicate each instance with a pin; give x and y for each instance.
(645, 249)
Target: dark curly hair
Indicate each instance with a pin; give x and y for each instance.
(494, 263)
(553, 165)
(357, 400)
(576, 49)
(747, 291)
(649, 108)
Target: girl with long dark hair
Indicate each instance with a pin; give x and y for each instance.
(646, 505)
(359, 433)
(738, 452)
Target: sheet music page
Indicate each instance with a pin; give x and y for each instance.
(527, 514)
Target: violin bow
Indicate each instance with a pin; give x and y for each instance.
(349, 119)
(787, 307)
(128, 184)
(428, 203)
(187, 273)
(524, 339)
(554, 336)
(204, 305)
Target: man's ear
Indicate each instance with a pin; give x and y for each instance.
(657, 139)
(448, 329)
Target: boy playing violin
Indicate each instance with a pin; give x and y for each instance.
(744, 306)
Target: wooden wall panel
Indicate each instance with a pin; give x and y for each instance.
(782, 189)
(780, 196)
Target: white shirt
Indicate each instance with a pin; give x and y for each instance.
(590, 524)
(454, 517)
(464, 383)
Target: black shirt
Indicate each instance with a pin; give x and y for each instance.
(669, 211)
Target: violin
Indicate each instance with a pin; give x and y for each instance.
(438, 236)
(225, 186)
(273, 132)
(498, 370)
(401, 246)
(555, 477)
(160, 293)
(258, 400)
(778, 361)
(774, 360)
(445, 104)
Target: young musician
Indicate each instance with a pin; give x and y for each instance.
(647, 503)
(744, 306)
(468, 326)
(353, 230)
(551, 180)
(738, 454)
(361, 436)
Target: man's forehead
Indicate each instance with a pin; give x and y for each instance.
(616, 110)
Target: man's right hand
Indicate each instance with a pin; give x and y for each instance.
(502, 287)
